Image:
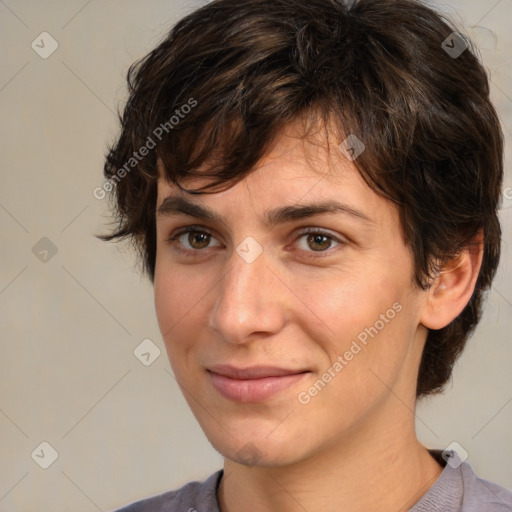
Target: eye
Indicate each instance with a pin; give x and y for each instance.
(317, 240)
(195, 239)
(192, 238)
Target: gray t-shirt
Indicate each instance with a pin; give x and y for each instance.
(457, 489)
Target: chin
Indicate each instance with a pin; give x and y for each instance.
(252, 448)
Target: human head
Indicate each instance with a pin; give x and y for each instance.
(231, 75)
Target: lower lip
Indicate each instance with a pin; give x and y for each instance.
(253, 390)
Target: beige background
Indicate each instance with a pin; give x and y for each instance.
(68, 375)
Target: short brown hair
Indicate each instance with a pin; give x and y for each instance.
(379, 68)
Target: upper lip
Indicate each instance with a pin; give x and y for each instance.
(254, 372)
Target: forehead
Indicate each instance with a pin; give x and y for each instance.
(293, 157)
(296, 170)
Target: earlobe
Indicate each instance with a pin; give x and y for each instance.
(453, 286)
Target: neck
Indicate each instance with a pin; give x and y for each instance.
(382, 467)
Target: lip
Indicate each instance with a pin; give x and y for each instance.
(254, 384)
(253, 372)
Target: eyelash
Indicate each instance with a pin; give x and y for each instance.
(199, 229)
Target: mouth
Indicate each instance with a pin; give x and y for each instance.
(254, 384)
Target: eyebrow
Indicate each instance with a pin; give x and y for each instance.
(176, 205)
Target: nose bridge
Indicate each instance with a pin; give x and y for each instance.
(246, 300)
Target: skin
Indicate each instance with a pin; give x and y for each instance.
(353, 446)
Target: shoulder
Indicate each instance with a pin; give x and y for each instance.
(459, 489)
(480, 494)
(192, 497)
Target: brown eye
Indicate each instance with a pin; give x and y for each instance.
(198, 239)
(319, 242)
(315, 243)
(191, 239)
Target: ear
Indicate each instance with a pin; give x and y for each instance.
(453, 286)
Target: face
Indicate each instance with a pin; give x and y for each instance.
(300, 267)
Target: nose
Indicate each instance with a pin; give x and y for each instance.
(250, 301)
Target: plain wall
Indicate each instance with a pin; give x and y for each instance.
(69, 325)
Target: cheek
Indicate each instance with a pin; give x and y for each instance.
(177, 320)
(177, 301)
(348, 305)
(366, 324)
